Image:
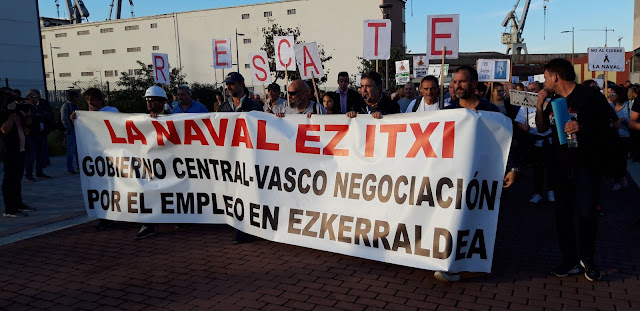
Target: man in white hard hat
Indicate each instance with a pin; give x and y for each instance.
(156, 98)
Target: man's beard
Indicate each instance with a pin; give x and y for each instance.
(295, 103)
(464, 94)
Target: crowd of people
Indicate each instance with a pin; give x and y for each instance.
(568, 177)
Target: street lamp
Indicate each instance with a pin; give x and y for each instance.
(237, 53)
(53, 70)
(386, 10)
(572, 31)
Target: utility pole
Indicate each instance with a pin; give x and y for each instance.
(237, 52)
(619, 41)
(573, 32)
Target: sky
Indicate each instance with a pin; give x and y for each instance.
(480, 21)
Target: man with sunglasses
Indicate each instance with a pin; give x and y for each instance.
(299, 101)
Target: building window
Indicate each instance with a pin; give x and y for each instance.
(133, 27)
(43, 36)
(65, 74)
(47, 76)
(130, 72)
(138, 49)
(108, 73)
(154, 25)
(246, 41)
(247, 66)
(137, 72)
(245, 16)
(115, 72)
(87, 73)
(63, 54)
(267, 14)
(105, 30)
(85, 53)
(109, 51)
(45, 56)
(156, 47)
(83, 32)
(61, 35)
(291, 11)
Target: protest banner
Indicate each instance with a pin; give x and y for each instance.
(420, 66)
(160, 64)
(285, 56)
(221, 53)
(494, 70)
(606, 59)
(329, 183)
(376, 42)
(523, 98)
(443, 31)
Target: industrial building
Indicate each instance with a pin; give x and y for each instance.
(102, 51)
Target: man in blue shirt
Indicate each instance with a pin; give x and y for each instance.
(186, 103)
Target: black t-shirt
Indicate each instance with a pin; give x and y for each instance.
(636, 106)
(11, 140)
(595, 116)
(483, 105)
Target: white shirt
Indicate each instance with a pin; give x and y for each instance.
(423, 106)
(286, 109)
(528, 116)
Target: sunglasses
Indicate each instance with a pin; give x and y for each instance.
(293, 93)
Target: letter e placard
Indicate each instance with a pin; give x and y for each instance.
(221, 53)
(443, 30)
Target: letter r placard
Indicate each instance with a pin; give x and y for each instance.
(443, 30)
(160, 64)
(376, 42)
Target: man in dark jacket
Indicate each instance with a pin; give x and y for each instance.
(239, 97)
(350, 100)
(377, 104)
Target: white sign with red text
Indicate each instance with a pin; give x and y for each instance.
(377, 39)
(308, 59)
(420, 190)
(160, 64)
(260, 72)
(221, 53)
(285, 56)
(443, 30)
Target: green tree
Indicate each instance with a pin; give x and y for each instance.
(129, 96)
(274, 30)
(398, 53)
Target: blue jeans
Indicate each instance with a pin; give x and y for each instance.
(37, 152)
(72, 152)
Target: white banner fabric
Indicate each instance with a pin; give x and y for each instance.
(420, 190)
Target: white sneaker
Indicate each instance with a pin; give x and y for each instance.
(447, 277)
(535, 199)
(616, 187)
(551, 197)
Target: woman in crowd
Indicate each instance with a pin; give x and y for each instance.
(329, 100)
(618, 100)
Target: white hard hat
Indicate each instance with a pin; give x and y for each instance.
(155, 91)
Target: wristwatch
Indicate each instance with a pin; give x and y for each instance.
(515, 169)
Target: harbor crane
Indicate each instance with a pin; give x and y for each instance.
(118, 5)
(513, 37)
(76, 11)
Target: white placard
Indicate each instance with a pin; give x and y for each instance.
(358, 80)
(285, 56)
(260, 72)
(402, 66)
(435, 70)
(496, 70)
(539, 78)
(221, 53)
(308, 59)
(376, 42)
(523, 99)
(443, 30)
(428, 198)
(420, 66)
(606, 59)
(160, 64)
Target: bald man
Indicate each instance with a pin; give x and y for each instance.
(299, 101)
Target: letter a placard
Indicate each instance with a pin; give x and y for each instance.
(376, 42)
(443, 30)
(260, 72)
(160, 68)
(221, 53)
(284, 55)
(308, 60)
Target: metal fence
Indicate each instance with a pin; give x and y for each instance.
(55, 93)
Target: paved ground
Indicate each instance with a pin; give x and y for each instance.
(198, 267)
